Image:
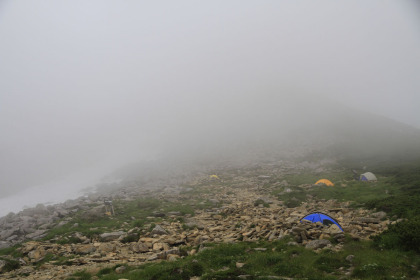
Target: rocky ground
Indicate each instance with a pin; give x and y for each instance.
(241, 208)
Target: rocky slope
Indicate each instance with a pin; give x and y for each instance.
(238, 207)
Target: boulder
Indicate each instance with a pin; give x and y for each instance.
(379, 215)
(120, 269)
(265, 200)
(369, 220)
(214, 201)
(194, 224)
(95, 213)
(158, 246)
(37, 254)
(317, 244)
(7, 233)
(172, 258)
(334, 229)
(28, 246)
(5, 244)
(158, 230)
(350, 258)
(239, 265)
(2, 265)
(152, 257)
(13, 237)
(84, 249)
(173, 251)
(139, 247)
(111, 236)
(38, 234)
(158, 214)
(60, 212)
(105, 248)
(39, 210)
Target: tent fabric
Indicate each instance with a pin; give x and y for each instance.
(368, 176)
(325, 181)
(321, 217)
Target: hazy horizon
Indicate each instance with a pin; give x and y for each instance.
(89, 86)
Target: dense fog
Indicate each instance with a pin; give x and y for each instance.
(89, 86)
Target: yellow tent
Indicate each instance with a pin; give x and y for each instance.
(214, 177)
(325, 182)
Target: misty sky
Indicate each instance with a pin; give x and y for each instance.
(86, 86)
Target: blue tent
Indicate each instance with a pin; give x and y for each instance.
(321, 217)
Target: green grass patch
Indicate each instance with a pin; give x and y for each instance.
(260, 201)
(360, 193)
(182, 208)
(105, 271)
(279, 259)
(403, 235)
(81, 275)
(10, 264)
(12, 251)
(128, 214)
(405, 201)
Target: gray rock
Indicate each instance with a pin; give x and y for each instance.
(62, 223)
(158, 214)
(214, 201)
(120, 269)
(194, 223)
(44, 220)
(95, 213)
(111, 236)
(350, 258)
(37, 254)
(13, 237)
(260, 249)
(139, 248)
(153, 257)
(61, 213)
(298, 230)
(2, 265)
(379, 215)
(5, 244)
(266, 200)
(7, 233)
(26, 270)
(159, 230)
(27, 219)
(105, 248)
(70, 204)
(25, 229)
(84, 249)
(317, 244)
(174, 251)
(38, 234)
(369, 220)
(22, 261)
(161, 255)
(40, 209)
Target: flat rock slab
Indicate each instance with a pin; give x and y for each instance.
(317, 244)
(111, 236)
